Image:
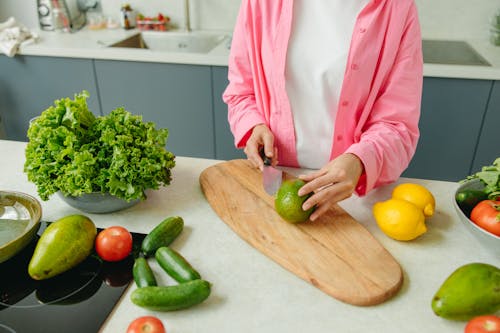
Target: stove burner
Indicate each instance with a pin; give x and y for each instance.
(83, 296)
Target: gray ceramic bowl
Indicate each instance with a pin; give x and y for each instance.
(20, 216)
(97, 202)
(487, 239)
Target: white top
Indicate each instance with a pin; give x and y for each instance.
(316, 61)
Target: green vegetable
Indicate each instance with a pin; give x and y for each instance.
(72, 151)
(162, 235)
(170, 298)
(176, 265)
(467, 199)
(143, 274)
(490, 177)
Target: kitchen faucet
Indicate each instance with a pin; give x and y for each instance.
(186, 16)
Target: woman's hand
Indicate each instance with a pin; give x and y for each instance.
(261, 137)
(334, 182)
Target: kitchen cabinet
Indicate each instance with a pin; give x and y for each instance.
(224, 140)
(177, 97)
(488, 146)
(450, 124)
(30, 84)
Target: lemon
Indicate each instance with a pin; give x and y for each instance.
(288, 203)
(417, 195)
(399, 219)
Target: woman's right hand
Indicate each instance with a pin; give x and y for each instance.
(261, 137)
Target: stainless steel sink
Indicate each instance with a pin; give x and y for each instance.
(191, 42)
(451, 52)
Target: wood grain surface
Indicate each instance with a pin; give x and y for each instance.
(334, 253)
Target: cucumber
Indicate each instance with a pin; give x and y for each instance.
(143, 275)
(171, 298)
(467, 199)
(176, 265)
(162, 235)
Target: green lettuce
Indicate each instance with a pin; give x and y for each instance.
(72, 151)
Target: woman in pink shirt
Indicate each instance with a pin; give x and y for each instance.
(332, 85)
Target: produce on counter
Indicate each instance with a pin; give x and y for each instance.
(402, 217)
(417, 195)
(191, 290)
(288, 203)
(483, 324)
(113, 243)
(471, 290)
(171, 298)
(467, 199)
(486, 214)
(176, 265)
(72, 151)
(482, 206)
(63, 245)
(162, 235)
(143, 274)
(490, 177)
(146, 324)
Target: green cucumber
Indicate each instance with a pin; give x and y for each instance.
(143, 274)
(176, 265)
(171, 298)
(162, 235)
(467, 199)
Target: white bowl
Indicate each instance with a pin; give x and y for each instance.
(97, 202)
(490, 241)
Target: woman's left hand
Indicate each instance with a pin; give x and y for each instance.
(334, 182)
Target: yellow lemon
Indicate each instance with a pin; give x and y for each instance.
(288, 203)
(417, 195)
(399, 219)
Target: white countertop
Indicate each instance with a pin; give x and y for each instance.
(93, 44)
(252, 293)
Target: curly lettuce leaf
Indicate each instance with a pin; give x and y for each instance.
(72, 151)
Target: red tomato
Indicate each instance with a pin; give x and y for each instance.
(113, 243)
(146, 324)
(486, 214)
(483, 324)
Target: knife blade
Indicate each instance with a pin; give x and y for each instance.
(271, 177)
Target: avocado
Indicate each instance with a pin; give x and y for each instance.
(471, 290)
(63, 245)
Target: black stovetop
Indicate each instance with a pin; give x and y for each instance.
(76, 301)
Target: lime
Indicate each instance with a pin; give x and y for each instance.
(288, 203)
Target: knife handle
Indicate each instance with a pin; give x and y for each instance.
(267, 160)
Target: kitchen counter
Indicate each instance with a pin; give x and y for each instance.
(251, 293)
(93, 44)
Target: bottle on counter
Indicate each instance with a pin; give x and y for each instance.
(127, 17)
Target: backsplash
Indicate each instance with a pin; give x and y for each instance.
(440, 19)
(456, 19)
(205, 14)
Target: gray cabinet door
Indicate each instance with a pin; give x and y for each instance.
(488, 148)
(177, 97)
(30, 84)
(224, 140)
(450, 123)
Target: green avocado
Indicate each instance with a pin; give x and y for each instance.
(471, 290)
(63, 245)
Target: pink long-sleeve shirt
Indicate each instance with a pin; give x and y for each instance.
(379, 104)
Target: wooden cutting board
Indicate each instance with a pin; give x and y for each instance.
(334, 253)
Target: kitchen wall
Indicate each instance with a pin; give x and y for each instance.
(205, 14)
(455, 19)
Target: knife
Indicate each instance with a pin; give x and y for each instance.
(271, 177)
